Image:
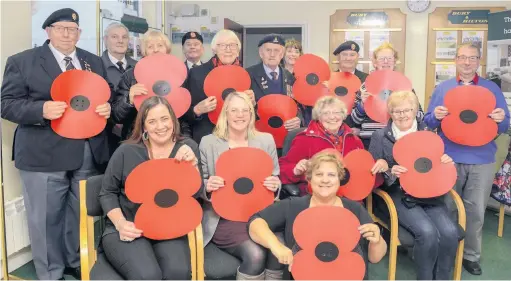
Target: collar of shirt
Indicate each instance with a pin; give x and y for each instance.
(60, 58)
(474, 81)
(114, 60)
(190, 64)
(269, 71)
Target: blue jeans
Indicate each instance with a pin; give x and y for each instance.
(436, 239)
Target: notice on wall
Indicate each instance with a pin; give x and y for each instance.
(476, 37)
(446, 42)
(444, 72)
(358, 37)
(376, 39)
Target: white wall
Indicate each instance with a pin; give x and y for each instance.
(316, 14)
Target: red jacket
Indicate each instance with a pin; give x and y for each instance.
(310, 142)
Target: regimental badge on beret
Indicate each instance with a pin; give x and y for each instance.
(73, 16)
(193, 35)
(353, 47)
(276, 40)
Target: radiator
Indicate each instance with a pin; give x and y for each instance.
(16, 226)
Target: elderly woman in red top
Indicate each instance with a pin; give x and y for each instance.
(326, 130)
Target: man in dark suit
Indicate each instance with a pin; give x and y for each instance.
(269, 77)
(116, 62)
(192, 49)
(347, 54)
(51, 166)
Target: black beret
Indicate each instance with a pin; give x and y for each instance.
(272, 38)
(191, 35)
(348, 45)
(65, 14)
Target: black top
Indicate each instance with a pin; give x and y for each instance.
(26, 86)
(281, 216)
(126, 158)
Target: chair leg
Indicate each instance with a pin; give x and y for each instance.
(393, 256)
(501, 220)
(458, 267)
(193, 254)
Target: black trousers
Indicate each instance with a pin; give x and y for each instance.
(146, 259)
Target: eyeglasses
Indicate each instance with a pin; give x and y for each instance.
(404, 111)
(231, 46)
(382, 59)
(345, 55)
(332, 113)
(237, 111)
(471, 59)
(60, 29)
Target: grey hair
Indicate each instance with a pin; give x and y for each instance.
(114, 25)
(324, 101)
(224, 34)
(470, 45)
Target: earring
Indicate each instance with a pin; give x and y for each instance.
(145, 135)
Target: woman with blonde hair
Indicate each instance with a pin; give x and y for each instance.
(123, 109)
(435, 234)
(226, 48)
(293, 50)
(384, 58)
(235, 128)
(325, 171)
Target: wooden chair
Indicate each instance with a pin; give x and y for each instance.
(94, 263)
(502, 143)
(399, 236)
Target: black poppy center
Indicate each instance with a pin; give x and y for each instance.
(166, 198)
(161, 88)
(468, 116)
(423, 165)
(312, 79)
(341, 91)
(346, 178)
(326, 251)
(275, 122)
(226, 92)
(243, 185)
(80, 103)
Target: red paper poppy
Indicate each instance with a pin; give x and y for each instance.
(310, 72)
(327, 236)
(222, 81)
(345, 86)
(165, 188)
(82, 91)
(163, 75)
(358, 181)
(273, 110)
(420, 154)
(381, 84)
(468, 122)
(243, 170)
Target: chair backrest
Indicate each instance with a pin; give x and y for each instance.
(92, 200)
(289, 139)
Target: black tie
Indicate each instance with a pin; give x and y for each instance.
(119, 64)
(69, 63)
(194, 65)
(273, 75)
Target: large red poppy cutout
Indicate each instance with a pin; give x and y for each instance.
(222, 81)
(163, 75)
(243, 170)
(345, 86)
(468, 122)
(381, 84)
(327, 236)
(420, 154)
(310, 72)
(358, 181)
(165, 188)
(273, 110)
(82, 91)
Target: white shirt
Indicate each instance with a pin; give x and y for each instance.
(114, 61)
(60, 58)
(190, 64)
(269, 71)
